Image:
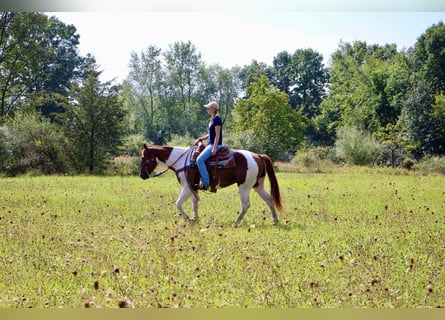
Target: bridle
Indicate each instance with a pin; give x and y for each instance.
(150, 160)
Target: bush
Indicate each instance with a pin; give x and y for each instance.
(356, 147)
(132, 144)
(313, 159)
(124, 166)
(181, 141)
(246, 140)
(3, 148)
(32, 143)
(431, 164)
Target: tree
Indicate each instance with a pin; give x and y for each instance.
(183, 63)
(423, 108)
(249, 74)
(227, 90)
(282, 73)
(417, 116)
(145, 75)
(94, 120)
(267, 116)
(142, 90)
(438, 119)
(394, 143)
(38, 59)
(304, 78)
(367, 85)
(218, 84)
(430, 56)
(308, 87)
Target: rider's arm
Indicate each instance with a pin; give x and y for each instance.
(217, 136)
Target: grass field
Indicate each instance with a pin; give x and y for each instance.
(354, 238)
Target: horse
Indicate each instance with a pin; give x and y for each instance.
(248, 172)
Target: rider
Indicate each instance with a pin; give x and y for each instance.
(214, 137)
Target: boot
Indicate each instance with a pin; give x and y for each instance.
(201, 186)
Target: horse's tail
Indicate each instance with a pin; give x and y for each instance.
(274, 188)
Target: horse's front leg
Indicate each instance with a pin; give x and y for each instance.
(195, 201)
(245, 204)
(183, 196)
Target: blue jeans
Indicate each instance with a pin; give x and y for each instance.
(201, 162)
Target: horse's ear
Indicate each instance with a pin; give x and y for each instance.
(145, 147)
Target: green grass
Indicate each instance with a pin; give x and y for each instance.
(357, 238)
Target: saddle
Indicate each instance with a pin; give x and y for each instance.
(224, 159)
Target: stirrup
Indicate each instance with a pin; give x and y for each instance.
(201, 186)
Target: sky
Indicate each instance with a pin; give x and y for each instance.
(236, 37)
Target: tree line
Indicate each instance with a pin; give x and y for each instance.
(372, 104)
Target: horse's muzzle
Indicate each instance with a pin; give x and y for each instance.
(144, 176)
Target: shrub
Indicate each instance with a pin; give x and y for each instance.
(124, 166)
(356, 147)
(431, 164)
(132, 144)
(3, 148)
(313, 159)
(32, 143)
(181, 141)
(246, 140)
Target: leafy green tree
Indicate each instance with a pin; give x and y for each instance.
(228, 90)
(249, 74)
(164, 92)
(396, 146)
(267, 115)
(430, 56)
(422, 111)
(38, 59)
(145, 76)
(367, 88)
(183, 64)
(309, 81)
(303, 77)
(94, 121)
(438, 118)
(218, 84)
(142, 91)
(417, 116)
(282, 73)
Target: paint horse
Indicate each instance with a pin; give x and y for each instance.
(248, 170)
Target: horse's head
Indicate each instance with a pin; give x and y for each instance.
(148, 162)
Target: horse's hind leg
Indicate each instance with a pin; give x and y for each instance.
(245, 204)
(267, 198)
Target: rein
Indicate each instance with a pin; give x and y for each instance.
(171, 167)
